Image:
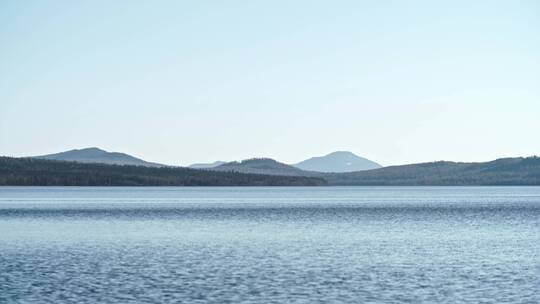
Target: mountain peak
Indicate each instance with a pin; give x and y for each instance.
(260, 166)
(338, 161)
(97, 155)
(93, 149)
(342, 153)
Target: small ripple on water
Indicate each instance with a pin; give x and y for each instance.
(433, 246)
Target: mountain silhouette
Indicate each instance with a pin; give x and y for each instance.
(337, 162)
(96, 155)
(261, 166)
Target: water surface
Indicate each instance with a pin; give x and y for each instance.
(269, 245)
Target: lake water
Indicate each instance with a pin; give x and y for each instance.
(270, 245)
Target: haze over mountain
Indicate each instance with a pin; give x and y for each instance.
(207, 165)
(340, 161)
(96, 155)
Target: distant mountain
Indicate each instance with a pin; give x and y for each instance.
(341, 161)
(261, 166)
(207, 165)
(31, 171)
(504, 171)
(316, 166)
(96, 155)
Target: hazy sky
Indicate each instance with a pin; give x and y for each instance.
(178, 82)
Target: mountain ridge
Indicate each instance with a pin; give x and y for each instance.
(261, 166)
(337, 162)
(97, 155)
(504, 171)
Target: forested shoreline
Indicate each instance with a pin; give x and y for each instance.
(518, 171)
(39, 172)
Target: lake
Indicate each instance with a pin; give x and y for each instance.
(269, 244)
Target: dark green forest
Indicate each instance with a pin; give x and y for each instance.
(38, 172)
(504, 171)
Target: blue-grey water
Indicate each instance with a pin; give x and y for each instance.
(270, 245)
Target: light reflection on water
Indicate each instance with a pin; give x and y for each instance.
(264, 245)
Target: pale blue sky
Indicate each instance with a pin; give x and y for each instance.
(179, 82)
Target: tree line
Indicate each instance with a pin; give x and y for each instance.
(39, 172)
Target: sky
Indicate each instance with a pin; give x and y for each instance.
(179, 82)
